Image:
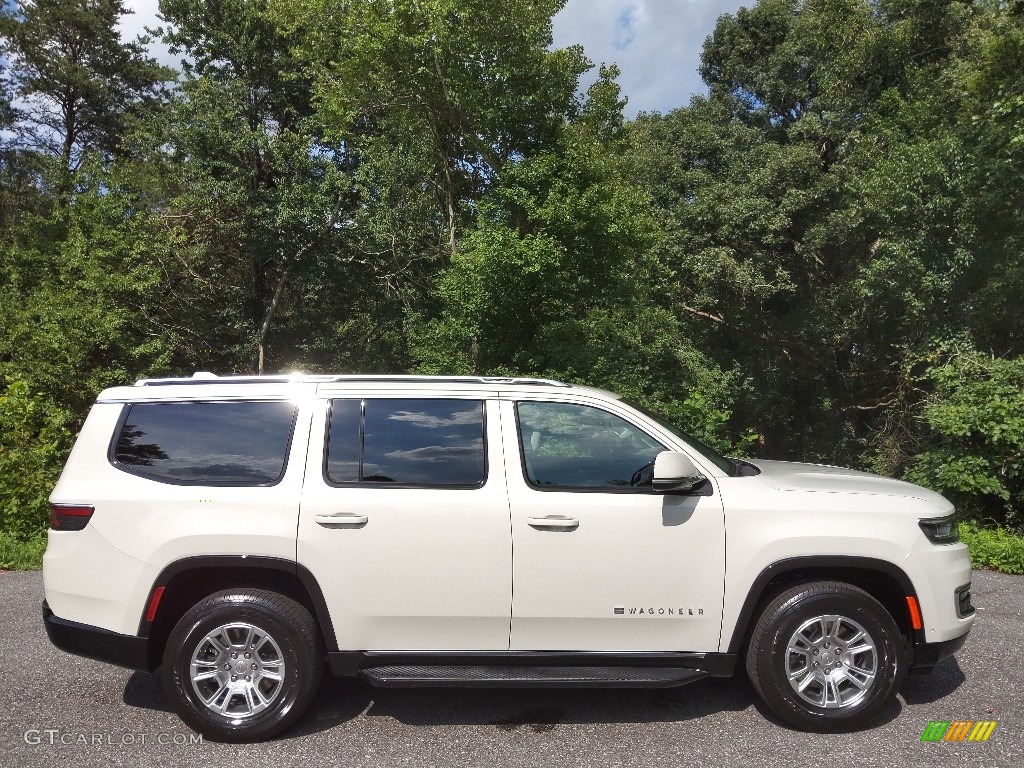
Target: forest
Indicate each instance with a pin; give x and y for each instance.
(821, 259)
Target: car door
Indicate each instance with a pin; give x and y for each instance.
(404, 520)
(601, 562)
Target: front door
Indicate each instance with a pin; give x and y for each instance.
(601, 562)
(404, 519)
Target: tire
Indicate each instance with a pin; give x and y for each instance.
(838, 691)
(205, 664)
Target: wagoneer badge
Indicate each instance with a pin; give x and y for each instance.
(621, 610)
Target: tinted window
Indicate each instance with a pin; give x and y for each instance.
(206, 443)
(343, 441)
(576, 446)
(407, 442)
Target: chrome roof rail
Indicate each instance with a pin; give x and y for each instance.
(204, 377)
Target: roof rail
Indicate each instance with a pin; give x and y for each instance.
(203, 377)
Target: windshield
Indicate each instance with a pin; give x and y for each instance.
(709, 453)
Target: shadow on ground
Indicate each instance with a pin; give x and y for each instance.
(537, 710)
(341, 700)
(944, 680)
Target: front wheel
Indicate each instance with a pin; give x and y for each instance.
(242, 665)
(826, 656)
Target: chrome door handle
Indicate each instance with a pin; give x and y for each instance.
(554, 522)
(334, 519)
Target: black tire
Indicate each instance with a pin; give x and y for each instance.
(843, 698)
(272, 701)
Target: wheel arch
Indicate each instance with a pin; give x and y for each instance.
(187, 581)
(881, 579)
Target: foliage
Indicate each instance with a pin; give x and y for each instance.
(33, 441)
(82, 84)
(461, 86)
(973, 451)
(994, 548)
(819, 259)
(82, 309)
(558, 280)
(21, 554)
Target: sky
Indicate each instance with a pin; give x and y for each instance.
(656, 43)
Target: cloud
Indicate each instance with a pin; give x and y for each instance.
(656, 44)
(626, 24)
(472, 416)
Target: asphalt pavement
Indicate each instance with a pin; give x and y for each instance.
(57, 709)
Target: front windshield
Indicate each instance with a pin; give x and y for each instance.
(706, 451)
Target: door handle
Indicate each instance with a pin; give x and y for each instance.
(348, 519)
(554, 522)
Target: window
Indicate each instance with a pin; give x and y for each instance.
(580, 447)
(424, 442)
(223, 443)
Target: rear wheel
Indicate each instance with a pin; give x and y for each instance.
(826, 656)
(243, 664)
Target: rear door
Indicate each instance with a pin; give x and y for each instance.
(405, 521)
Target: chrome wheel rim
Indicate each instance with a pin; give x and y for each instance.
(237, 670)
(831, 662)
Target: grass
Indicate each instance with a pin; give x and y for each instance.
(21, 554)
(996, 549)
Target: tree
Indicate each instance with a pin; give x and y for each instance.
(476, 81)
(7, 112)
(261, 207)
(81, 84)
(819, 231)
(557, 279)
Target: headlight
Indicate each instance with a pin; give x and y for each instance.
(940, 530)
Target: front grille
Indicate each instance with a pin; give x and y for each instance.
(963, 601)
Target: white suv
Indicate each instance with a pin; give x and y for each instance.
(419, 531)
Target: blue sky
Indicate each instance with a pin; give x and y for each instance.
(656, 43)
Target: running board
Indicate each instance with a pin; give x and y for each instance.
(524, 676)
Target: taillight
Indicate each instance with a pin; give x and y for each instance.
(69, 517)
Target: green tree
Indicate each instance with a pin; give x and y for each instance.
(461, 87)
(558, 279)
(258, 205)
(818, 227)
(81, 83)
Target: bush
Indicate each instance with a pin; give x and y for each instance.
(21, 554)
(994, 548)
(34, 443)
(973, 450)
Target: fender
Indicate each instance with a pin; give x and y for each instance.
(233, 562)
(797, 564)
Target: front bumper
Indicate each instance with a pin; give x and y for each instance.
(927, 655)
(95, 643)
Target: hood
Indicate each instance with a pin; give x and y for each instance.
(791, 476)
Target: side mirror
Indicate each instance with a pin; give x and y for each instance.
(675, 473)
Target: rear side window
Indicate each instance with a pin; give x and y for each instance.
(222, 443)
(423, 442)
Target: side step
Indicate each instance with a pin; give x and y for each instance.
(524, 676)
